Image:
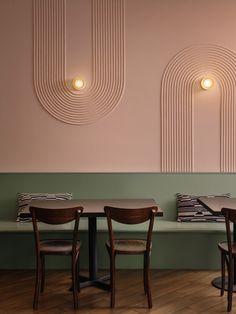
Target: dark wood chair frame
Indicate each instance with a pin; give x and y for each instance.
(130, 216)
(56, 217)
(228, 255)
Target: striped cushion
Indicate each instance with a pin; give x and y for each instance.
(24, 200)
(190, 210)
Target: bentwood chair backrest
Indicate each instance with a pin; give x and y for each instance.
(55, 216)
(230, 217)
(130, 217)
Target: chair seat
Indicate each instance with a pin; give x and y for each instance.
(57, 246)
(131, 246)
(224, 247)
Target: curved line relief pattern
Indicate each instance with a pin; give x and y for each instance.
(108, 61)
(178, 80)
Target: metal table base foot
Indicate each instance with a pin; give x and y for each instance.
(217, 283)
(101, 282)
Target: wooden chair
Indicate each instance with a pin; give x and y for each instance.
(55, 246)
(228, 253)
(130, 246)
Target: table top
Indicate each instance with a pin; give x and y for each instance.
(95, 207)
(215, 204)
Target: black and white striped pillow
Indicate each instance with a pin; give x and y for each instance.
(190, 210)
(24, 199)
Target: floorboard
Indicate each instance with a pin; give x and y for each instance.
(173, 292)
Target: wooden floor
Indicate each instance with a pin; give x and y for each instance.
(182, 292)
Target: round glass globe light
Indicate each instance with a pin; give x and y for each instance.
(78, 83)
(207, 83)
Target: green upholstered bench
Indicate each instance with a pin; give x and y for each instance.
(176, 245)
(160, 225)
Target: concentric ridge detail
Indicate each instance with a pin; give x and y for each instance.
(108, 61)
(178, 79)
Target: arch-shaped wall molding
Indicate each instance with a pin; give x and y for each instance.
(177, 105)
(108, 61)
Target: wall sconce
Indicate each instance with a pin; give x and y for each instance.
(78, 83)
(207, 83)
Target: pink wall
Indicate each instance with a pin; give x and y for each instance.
(129, 137)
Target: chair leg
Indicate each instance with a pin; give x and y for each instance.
(77, 273)
(230, 284)
(74, 280)
(144, 273)
(149, 296)
(112, 279)
(42, 272)
(37, 282)
(222, 273)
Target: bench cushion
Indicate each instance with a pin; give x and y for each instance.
(24, 200)
(190, 210)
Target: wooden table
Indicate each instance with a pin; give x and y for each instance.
(214, 205)
(94, 208)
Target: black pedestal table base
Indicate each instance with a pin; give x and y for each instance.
(101, 282)
(93, 280)
(217, 283)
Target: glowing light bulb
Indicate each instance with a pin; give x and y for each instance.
(207, 83)
(78, 83)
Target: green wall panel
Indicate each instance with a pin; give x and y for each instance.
(170, 250)
(162, 187)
